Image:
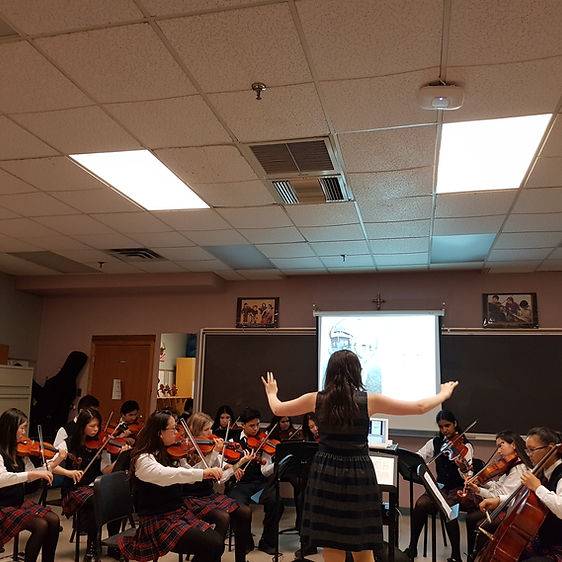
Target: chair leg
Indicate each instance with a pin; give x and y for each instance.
(76, 531)
(425, 538)
(15, 554)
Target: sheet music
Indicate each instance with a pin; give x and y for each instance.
(431, 485)
(385, 469)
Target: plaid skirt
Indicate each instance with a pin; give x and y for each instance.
(158, 534)
(14, 519)
(200, 506)
(74, 500)
(342, 503)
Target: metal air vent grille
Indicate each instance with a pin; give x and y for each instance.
(135, 254)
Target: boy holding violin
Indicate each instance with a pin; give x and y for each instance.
(258, 476)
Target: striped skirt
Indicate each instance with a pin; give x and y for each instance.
(14, 519)
(342, 505)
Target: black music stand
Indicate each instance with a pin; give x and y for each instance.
(296, 456)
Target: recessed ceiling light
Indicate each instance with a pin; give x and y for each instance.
(139, 175)
(488, 154)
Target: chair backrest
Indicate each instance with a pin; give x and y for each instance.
(112, 497)
(477, 465)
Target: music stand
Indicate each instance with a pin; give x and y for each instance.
(294, 455)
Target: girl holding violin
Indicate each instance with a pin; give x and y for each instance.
(224, 419)
(165, 521)
(16, 514)
(281, 428)
(497, 480)
(91, 455)
(212, 507)
(453, 462)
(342, 508)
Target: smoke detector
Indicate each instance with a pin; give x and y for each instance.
(440, 96)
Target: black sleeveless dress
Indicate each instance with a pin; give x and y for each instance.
(342, 506)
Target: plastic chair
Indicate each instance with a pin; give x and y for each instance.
(113, 502)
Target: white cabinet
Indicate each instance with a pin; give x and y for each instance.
(15, 388)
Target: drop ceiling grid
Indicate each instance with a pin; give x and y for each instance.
(130, 223)
(16, 142)
(35, 204)
(389, 185)
(10, 184)
(234, 194)
(90, 201)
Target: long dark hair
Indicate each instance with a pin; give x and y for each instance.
(78, 438)
(224, 409)
(447, 415)
(338, 401)
(513, 438)
(276, 432)
(10, 422)
(546, 436)
(149, 440)
(306, 433)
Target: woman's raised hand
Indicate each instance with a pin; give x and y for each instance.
(448, 387)
(270, 383)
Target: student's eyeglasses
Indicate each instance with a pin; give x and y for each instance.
(530, 451)
(175, 428)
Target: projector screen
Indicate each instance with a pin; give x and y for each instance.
(399, 353)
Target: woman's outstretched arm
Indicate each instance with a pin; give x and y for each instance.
(301, 405)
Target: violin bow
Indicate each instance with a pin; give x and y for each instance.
(262, 443)
(225, 441)
(108, 420)
(441, 452)
(193, 441)
(98, 452)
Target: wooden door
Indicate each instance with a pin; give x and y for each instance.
(129, 359)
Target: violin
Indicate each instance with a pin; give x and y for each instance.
(291, 433)
(133, 427)
(112, 445)
(455, 449)
(31, 448)
(233, 451)
(183, 447)
(263, 443)
(489, 472)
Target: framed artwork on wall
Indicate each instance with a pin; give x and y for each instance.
(510, 310)
(257, 312)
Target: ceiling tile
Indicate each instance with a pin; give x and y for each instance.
(272, 235)
(261, 274)
(215, 237)
(282, 113)
(96, 200)
(256, 217)
(388, 185)
(401, 208)
(553, 145)
(57, 243)
(10, 184)
(16, 142)
(298, 263)
(331, 233)
(204, 265)
(364, 262)
(372, 103)
(400, 245)
(114, 267)
(343, 43)
(89, 255)
(185, 253)
(546, 173)
(129, 223)
(210, 164)
(460, 247)
(72, 131)
(234, 194)
(162, 239)
(53, 174)
(297, 250)
(193, 219)
(238, 58)
(13, 245)
(107, 241)
(399, 229)
(344, 247)
(58, 15)
(515, 267)
(159, 267)
(528, 240)
(17, 266)
(550, 265)
(185, 121)
(538, 222)
(125, 63)
(473, 225)
(533, 26)
(24, 228)
(5, 214)
(474, 204)
(506, 90)
(526, 254)
(31, 83)
(393, 149)
(35, 204)
(476, 265)
(539, 201)
(74, 224)
(556, 254)
(323, 214)
(401, 259)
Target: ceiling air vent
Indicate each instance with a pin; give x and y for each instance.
(135, 254)
(323, 189)
(294, 157)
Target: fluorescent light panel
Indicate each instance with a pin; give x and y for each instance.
(488, 154)
(143, 178)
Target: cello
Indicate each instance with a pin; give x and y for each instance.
(520, 525)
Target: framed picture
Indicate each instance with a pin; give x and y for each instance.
(510, 310)
(257, 312)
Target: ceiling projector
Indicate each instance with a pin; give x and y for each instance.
(446, 97)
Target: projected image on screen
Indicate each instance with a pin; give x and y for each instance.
(398, 352)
